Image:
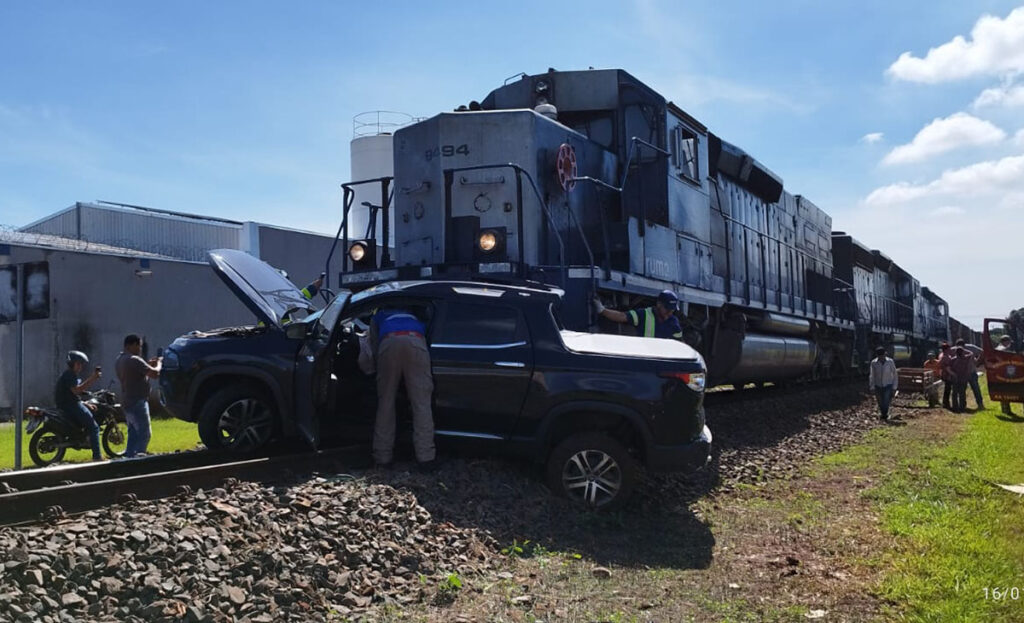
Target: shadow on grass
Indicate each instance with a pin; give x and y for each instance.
(1014, 419)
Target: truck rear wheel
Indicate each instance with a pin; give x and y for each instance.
(239, 418)
(592, 470)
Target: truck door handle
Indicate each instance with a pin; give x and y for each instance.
(510, 364)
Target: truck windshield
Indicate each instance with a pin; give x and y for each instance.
(327, 317)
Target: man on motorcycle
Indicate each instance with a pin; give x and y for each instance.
(68, 397)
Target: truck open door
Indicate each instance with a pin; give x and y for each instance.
(1004, 362)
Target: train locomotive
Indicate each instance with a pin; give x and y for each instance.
(592, 182)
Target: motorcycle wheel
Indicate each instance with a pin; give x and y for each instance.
(115, 438)
(45, 447)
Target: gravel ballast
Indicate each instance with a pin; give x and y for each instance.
(348, 546)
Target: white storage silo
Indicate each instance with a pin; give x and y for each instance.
(372, 156)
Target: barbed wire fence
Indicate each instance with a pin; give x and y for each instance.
(10, 234)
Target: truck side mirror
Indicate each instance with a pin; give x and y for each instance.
(297, 330)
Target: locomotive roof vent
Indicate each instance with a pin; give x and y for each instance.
(546, 109)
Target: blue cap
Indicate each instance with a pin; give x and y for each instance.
(668, 299)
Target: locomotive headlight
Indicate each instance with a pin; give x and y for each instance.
(487, 241)
(357, 251)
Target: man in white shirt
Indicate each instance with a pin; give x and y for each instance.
(883, 380)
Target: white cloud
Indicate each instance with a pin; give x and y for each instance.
(1018, 138)
(996, 47)
(943, 135)
(1009, 96)
(872, 138)
(699, 90)
(996, 182)
(954, 233)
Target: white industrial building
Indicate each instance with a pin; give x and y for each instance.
(189, 237)
(116, 269)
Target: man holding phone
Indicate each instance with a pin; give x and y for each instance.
(134, 373)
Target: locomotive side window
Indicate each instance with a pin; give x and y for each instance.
(684, 152)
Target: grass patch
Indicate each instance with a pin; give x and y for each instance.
(168, 436)
(955, 533)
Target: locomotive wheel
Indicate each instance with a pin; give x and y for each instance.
(45, 447)
(115, 439)
(593, 471)
(239, 418)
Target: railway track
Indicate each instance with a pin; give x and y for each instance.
(722, 395)
(75, 489)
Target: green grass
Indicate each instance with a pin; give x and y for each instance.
(955, 533)
(168, 435)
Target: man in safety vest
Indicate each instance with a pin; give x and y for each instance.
(656, 321)
(310, 291)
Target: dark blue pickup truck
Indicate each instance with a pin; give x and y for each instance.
(592, 407)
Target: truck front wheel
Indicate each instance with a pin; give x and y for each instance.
(592, 470)
(239, 418)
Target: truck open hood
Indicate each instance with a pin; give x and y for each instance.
(628, 346)
(263, 290)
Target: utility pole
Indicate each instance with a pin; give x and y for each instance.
(19, 407)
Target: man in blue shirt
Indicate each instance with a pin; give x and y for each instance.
(398, 343)
(657, 321)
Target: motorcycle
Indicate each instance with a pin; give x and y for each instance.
(53, 433)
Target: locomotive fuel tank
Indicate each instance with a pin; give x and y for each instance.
(787, 325)
(773, 358)
(900, 352)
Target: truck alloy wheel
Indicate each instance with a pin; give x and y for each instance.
(237, 418)
(592, 470)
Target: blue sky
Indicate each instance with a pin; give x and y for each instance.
(244, 110)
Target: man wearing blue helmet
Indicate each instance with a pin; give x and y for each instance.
(657, 321)
(68, 397)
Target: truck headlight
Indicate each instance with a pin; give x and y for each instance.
(693, 380)
(170, 360)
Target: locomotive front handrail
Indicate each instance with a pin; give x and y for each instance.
(348, 199)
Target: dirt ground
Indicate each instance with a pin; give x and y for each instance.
(764, 535)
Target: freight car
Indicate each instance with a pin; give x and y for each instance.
(592, 182)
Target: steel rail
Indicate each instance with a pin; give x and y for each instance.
(37, 478)
(30, 506)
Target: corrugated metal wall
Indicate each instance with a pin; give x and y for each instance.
(97, 299)
(168, 235)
